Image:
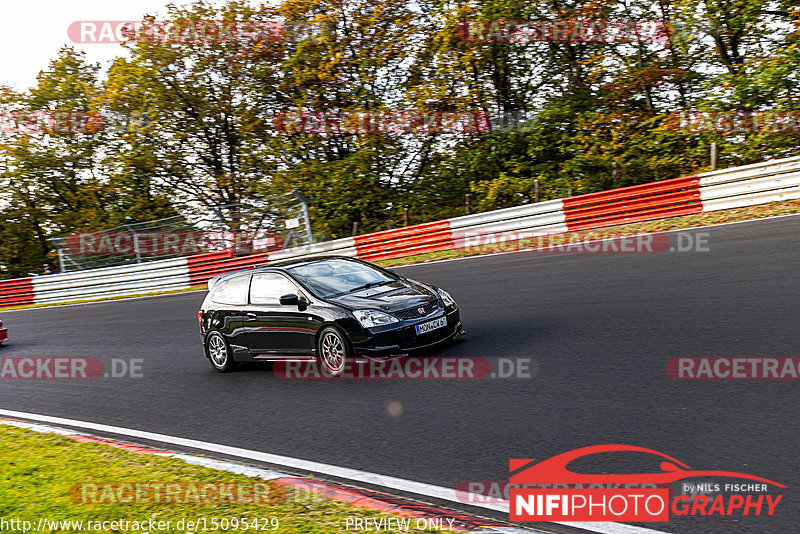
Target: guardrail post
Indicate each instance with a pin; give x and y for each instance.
(135, 244)
(61, 260)
(713, 156)
(536, 190)
(469, 204)
(405, 215)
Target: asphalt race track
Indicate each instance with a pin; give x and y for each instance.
(598, 328)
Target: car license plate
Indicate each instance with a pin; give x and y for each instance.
(431, 325)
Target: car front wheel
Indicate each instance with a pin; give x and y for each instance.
(333, 350)
(219, 353)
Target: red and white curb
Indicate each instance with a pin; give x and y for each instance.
(373, 500)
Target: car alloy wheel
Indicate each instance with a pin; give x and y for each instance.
(333, 351)
(219, 353)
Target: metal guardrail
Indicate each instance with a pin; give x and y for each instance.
(275, 223)
(545, 216)
(17, 292)
(750, 185)
(665, 198)
(741, 186)
(153, 276)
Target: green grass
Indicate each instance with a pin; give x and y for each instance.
(773, 209)
(39, 471)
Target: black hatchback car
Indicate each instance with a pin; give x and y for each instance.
(329, 309)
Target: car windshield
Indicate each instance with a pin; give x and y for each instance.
(328, 278)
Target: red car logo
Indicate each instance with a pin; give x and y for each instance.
(421, 311)
(554, 470)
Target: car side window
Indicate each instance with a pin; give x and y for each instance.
(268, 288)
(232, 291)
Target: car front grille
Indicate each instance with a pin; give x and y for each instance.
(414, 313)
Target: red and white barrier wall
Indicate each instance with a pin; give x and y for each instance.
(725, 189)
(16, 292)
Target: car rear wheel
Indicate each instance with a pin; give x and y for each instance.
(333, 350)
(219, 353)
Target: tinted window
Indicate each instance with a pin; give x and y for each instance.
(268, 288)
(232, 291)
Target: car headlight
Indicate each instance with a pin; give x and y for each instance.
(371, 318)
(446, 298)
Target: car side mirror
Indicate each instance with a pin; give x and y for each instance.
(302, 303)
(289, 300)
(293, 300)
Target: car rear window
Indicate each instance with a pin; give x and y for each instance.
(232, 290)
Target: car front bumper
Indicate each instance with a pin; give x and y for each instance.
(404, 338)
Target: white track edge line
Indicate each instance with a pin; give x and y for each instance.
(410, 486)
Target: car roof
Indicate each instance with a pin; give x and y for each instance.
(294, 262)
(278, 266)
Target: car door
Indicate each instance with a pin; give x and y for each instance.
(275, 329)
(228, 300)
